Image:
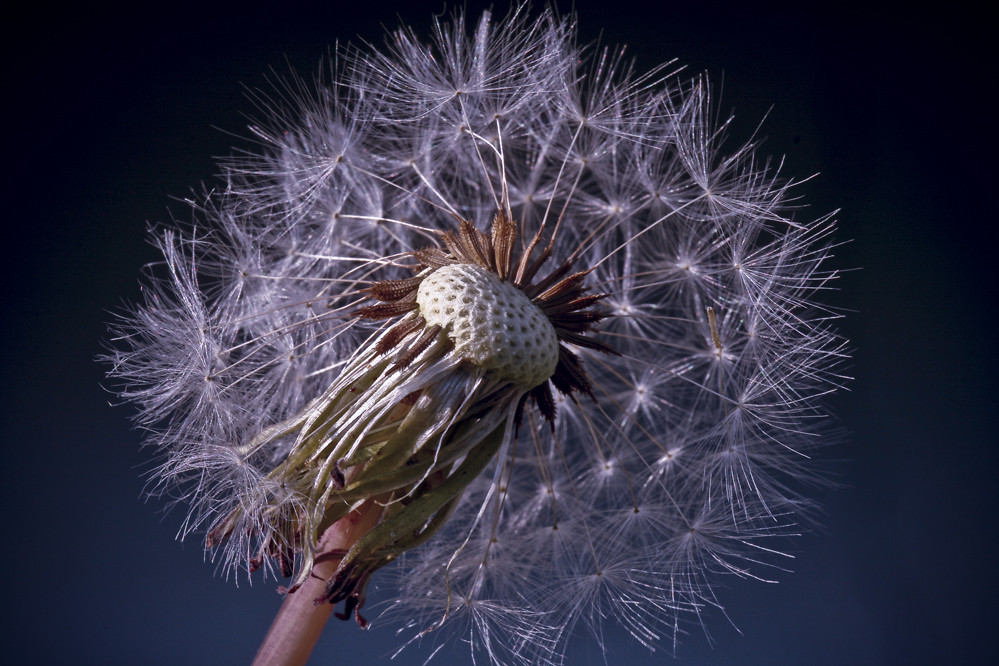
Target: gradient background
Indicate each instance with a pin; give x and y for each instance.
(110, 114)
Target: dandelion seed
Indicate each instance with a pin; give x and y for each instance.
(496, 311)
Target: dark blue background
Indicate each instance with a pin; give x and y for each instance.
(109, 114)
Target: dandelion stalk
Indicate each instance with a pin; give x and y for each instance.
(300, 621)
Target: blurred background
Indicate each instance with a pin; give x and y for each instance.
(112, 116)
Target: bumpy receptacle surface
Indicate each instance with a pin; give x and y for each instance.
(491, 322)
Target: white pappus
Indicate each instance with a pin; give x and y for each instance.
(510, 295)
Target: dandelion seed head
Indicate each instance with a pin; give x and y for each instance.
(529, 303)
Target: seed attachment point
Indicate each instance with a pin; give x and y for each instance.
(491, 323)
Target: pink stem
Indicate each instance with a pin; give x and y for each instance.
(298, 624)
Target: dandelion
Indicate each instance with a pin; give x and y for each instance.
(497, 311)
